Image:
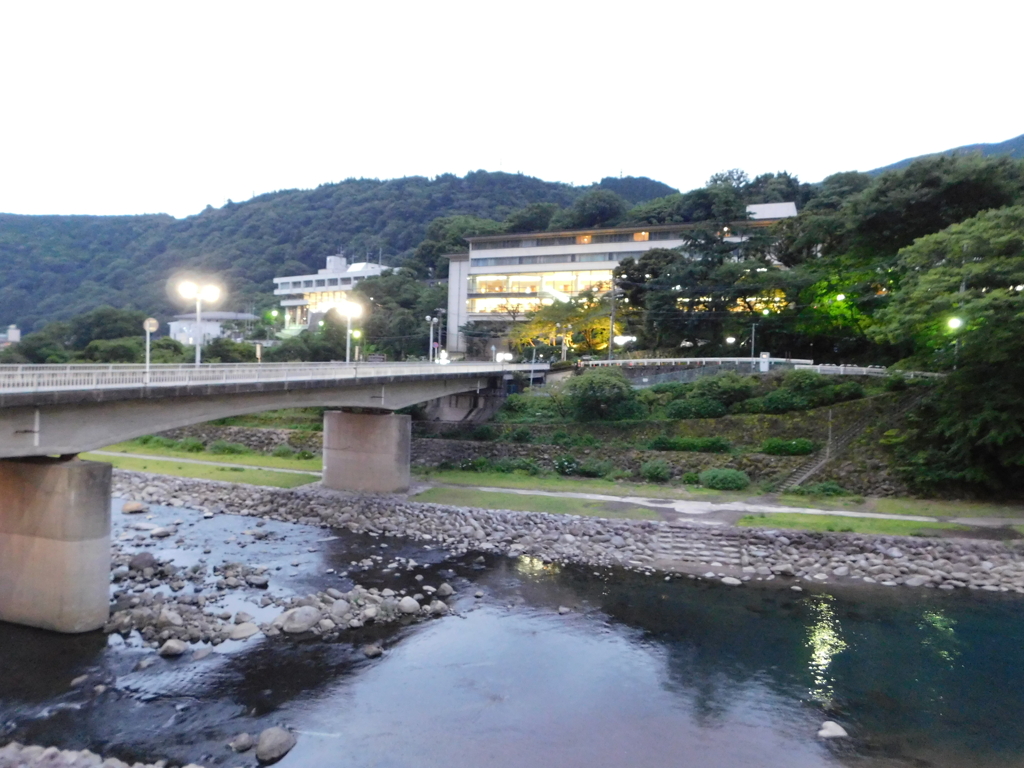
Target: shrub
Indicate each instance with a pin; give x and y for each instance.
(691, 478)
(895, 382)
(726, 388)
(724, 479)
(304, 455)
(521, 435)
(585, 440)
(674, 389)
(780, 401)
(776, 446)
(594, 468)
(479, 464)
(694, 444)
(566, 465)
(529, 466)
(504, 464)
(561, 438)
(620, 474)
(602, 393)
(157, 441)
(191, 445)
(484, 432)
(656, 471)
(695, 408)
(283, 451)
(827, 488)
(223, 447)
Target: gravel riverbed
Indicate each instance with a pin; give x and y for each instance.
(732, 555)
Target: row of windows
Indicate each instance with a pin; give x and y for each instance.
(324, 283)
(535, 242)
(567, 258)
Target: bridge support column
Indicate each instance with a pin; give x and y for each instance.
(55, 543)
(367, 452)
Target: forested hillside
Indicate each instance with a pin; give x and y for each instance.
(1010, 148)
(55, 267)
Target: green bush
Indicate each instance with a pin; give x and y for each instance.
(827, 488)
(726, 388)
(656, 471)
(602, 393)
(724, 479)
(529, 466)
(566, 465)
(776, 446)
(804, 382)
(779, 401)
(560, 437)
(157, 441)
(479, 464)
(223, 447)
(504, 464)
(695, 408)
(594, 468)
(691, 478)
(585, 440)
(484, 432)
(305, 455)
(675, 389)
(191, 445)
(895, 382)
(693, 444)
(283, 451)
(521, 435)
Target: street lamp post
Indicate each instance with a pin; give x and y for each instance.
(349, 309)
(432, 321)
(210, 293)
(149, 326)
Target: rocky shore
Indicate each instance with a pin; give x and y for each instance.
(730, 555)
(15, 755)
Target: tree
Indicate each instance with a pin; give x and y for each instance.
(447, 235)
(602, 393)
(222, 350)
(970, 431)
(533, 218)
(598, 208)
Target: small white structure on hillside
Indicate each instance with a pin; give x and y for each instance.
(307, 298)
(211, 326)
(13, 336)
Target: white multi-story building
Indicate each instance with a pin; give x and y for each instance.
(13, 336)
(210, 326)
(527, 271)
(307, 298)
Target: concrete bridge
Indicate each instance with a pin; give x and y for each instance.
(55, 509)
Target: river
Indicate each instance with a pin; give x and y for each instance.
(640, 672)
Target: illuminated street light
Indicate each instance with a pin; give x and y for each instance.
(765, 312)
(208, 293)
(432, 321)
(349, 309)
(621, 340)
(954, 323)
(840, 297)
(730, 340)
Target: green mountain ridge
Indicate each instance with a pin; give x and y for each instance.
(54, 267)
(1011, 147)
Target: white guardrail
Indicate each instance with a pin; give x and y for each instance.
(699, 361)
(57, 378)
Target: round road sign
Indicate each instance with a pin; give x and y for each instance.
(151, 325)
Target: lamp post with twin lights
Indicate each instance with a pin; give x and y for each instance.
(209, 293)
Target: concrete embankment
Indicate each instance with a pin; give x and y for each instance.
(732, 555)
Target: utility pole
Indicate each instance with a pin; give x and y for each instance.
(611, 325)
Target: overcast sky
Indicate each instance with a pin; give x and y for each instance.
(139, 107)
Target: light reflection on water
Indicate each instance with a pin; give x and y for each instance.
(825, 640)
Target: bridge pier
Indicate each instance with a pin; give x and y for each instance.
(55, 543)
(367, 452)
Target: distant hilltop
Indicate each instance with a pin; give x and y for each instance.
(1011, 147)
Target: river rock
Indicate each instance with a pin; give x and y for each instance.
(274, 743)
(241, 743)
(260, 582)
(142, 561)
(842, 570)
(162, 533)
(169, 618)
(731, 581)
(244, 630)
(134, 507)
(172, 647)
(408, 605)
(339, 608)
(832, 730)
(917, 581)
(445, 590)
(372, 651)
(299, 620)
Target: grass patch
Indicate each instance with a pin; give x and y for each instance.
(559, 483)
(469, 497)
(310, 419)
(844, 524)
(249, 459)
(265, 477)
(942, 508)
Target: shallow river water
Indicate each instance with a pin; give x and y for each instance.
(641, 672)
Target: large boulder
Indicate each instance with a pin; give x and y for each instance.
(299, 620)
(408, 605)
(142, 561)
(172, 647)
(273, 744)
(244, 630)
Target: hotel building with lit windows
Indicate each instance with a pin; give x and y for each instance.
(527, 271)
(307, 298)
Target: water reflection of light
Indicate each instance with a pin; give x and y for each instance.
(940, 636)
(825, 640)
(534, 566)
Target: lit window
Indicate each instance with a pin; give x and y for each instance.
(641, 236)
(582, 239)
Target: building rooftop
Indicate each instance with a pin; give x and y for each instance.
(773, 211)
(217, 316)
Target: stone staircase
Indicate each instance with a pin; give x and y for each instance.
(837, 445)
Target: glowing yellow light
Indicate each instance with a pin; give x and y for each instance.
(826, 642)
(954, 322)
(187, 289)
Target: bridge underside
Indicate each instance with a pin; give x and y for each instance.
(52, 426)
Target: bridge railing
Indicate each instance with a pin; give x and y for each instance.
(47, 378)
(874, 370)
